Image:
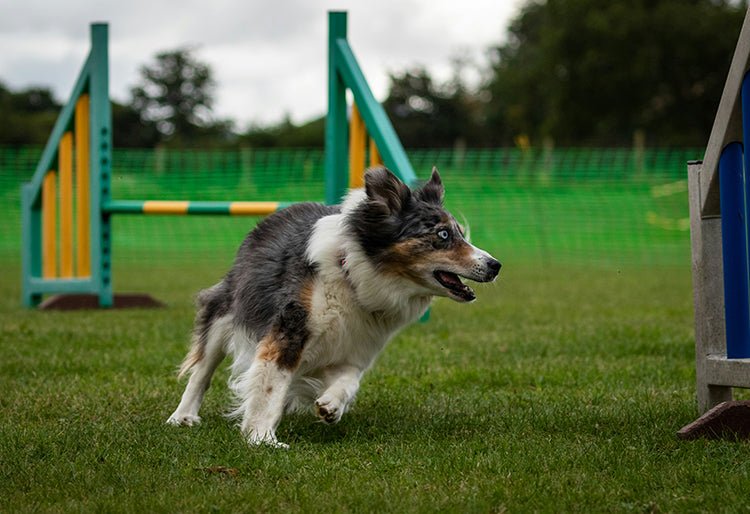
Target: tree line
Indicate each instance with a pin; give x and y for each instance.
(575, 72)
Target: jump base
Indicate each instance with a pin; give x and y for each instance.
(728, 420)
(74, 302)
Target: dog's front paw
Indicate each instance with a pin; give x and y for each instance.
(268, 439)
(187, 420)
(328, 410)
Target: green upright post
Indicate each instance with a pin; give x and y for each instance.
(31, 242)
(100, 164)
(336, 179)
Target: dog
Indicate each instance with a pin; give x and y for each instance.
(317, 291)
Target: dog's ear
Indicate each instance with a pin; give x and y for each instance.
(433, 191)
(386, 190)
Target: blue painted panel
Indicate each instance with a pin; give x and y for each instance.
(734, 251)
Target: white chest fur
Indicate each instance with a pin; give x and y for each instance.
(341, 331)
(354, 309)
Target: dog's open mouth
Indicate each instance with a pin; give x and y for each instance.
(453, 284)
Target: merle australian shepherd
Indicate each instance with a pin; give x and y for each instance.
(317, 291)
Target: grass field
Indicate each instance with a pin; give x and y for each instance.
(559, 390)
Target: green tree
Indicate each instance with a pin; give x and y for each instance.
(176, 93)
(287, 134)
(129, 130)
(28, 115)
(594, 71)
(428, 114)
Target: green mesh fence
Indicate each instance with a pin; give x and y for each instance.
(612, 207)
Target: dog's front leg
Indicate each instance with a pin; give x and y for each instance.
(342, 385)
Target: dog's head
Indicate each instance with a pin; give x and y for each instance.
(409, 233)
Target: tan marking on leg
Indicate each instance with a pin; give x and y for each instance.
(268, 348)
(272, 349)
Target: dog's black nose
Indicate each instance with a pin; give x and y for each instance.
(494, 266)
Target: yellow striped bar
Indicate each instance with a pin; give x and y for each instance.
(252, 208)
(165, 207)
(193, 208)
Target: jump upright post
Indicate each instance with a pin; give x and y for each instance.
(72, 253)
(719, 192)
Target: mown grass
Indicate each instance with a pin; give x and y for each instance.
(559, 390)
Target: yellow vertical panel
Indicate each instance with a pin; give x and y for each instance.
(49, 225)
(83, 201)
(375, 158)
(65, 161)
(357, 142)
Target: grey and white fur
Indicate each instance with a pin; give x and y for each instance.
(317, 291)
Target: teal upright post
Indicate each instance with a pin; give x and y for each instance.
(101, 164)
(31, 243)
(336, 179)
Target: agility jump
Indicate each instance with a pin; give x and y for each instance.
(82, 264)
(719, 193)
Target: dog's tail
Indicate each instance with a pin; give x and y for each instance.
(213, 303)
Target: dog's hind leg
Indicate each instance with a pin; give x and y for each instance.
(201, 370)
(212, 331)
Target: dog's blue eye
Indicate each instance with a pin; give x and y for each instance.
(443, 234)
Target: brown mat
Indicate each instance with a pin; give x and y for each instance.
(72, 302)
(728, 420)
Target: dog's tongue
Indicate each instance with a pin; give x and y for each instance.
(450, 279)
(454, 284)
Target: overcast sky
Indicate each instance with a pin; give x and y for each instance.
(268, 57)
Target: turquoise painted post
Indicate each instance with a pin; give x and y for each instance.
(31, 237)
(100, 164)
(336, 179)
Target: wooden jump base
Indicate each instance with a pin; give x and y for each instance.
(81, 263)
